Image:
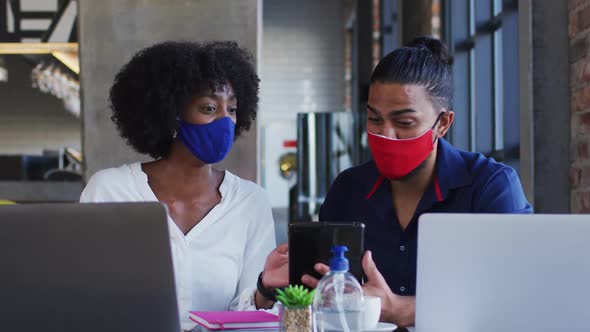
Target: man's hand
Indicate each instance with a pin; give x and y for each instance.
(311, 281)
(397, 309)
(400, 310)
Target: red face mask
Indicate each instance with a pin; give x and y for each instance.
(396, 158)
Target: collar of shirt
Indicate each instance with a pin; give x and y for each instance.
(452, 170)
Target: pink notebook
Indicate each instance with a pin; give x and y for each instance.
(231, 320)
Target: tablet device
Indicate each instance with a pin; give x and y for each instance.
(311, 243)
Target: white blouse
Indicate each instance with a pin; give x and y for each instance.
(216, 265)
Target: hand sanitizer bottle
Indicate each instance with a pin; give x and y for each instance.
(338, 300)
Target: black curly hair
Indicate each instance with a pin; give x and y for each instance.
(151, 91)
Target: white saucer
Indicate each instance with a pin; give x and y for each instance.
(383, 327)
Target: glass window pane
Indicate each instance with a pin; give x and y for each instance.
(483, 94)
(511, 114)
(459, 20)
(460, 128)
(483, 11)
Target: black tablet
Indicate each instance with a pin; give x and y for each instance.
(311, 243)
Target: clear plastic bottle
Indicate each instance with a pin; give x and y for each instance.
(338, 300)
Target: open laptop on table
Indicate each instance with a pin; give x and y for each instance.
(86, 267)
(503, 273)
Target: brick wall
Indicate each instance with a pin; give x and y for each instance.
(579, 35)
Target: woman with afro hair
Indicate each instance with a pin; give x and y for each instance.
(184, 104)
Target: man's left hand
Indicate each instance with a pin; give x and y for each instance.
(397, 309)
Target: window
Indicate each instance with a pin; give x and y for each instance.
(483, 39)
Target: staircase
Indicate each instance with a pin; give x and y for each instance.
(14, 21)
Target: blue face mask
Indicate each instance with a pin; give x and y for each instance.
(209, 142)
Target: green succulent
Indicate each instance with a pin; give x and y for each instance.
(295, 296)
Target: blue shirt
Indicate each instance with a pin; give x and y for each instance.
(464, 182)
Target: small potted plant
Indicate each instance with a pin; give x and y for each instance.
(296, 308)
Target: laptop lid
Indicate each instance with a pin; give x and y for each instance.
(480, 272)
(86, 267)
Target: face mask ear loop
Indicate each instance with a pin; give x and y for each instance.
(436, 122)
(175, 132)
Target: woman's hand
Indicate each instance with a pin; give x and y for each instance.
(275, 274)
(276, 268)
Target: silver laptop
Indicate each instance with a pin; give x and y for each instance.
(503, 272)
(86, 267)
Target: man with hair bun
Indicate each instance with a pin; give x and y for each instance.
(413, 171)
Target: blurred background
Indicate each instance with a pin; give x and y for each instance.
(521, 74)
